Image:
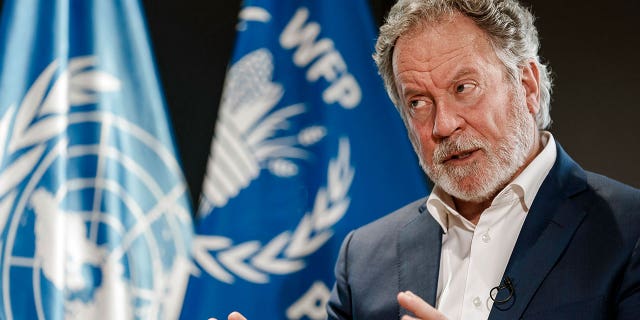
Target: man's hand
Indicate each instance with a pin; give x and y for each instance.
(417, 306)
(236, 316)
(407, 300)
(233, 316)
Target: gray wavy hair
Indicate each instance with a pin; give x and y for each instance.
(508, 24)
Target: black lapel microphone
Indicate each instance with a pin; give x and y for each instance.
(507, 284)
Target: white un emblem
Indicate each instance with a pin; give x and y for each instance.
(93, 209)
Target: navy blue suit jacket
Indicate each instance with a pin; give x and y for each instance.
(577, 255)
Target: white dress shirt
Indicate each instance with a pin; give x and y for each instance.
(474, 257)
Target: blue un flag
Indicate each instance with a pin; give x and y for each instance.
(94, 214)
(307, 147)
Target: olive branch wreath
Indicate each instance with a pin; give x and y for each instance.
(285, 253)
(41, 116)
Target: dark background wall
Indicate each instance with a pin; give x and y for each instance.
(591, 45)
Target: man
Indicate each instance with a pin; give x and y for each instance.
(513, 228)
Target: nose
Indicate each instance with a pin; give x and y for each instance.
(447, 120)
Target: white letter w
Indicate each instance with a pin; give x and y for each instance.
(304, 36)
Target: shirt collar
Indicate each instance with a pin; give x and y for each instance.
(440, 205)
(526, 185)
(528, 182)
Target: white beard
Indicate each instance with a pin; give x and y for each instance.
(476, 182)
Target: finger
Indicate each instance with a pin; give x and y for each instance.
(236, 316)
(419, 307)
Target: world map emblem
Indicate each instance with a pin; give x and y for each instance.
(93, 208)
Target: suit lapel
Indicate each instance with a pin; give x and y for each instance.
(547, 231)
(419, 244)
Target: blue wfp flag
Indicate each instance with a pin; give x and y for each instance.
(307, 147)
(94, 211)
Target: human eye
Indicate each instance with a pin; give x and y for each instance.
(419, 107)
(465, 87)
(417, 104)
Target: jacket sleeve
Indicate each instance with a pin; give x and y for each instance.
(629, 298)
(339, 305)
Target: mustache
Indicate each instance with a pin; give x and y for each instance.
(450, 146)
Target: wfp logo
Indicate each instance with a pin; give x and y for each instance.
(249, 141)
(89, 229)
(244, 141)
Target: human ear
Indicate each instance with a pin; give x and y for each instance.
(531, 86)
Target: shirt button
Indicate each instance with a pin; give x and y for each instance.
(477, 302)
(486, 237)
